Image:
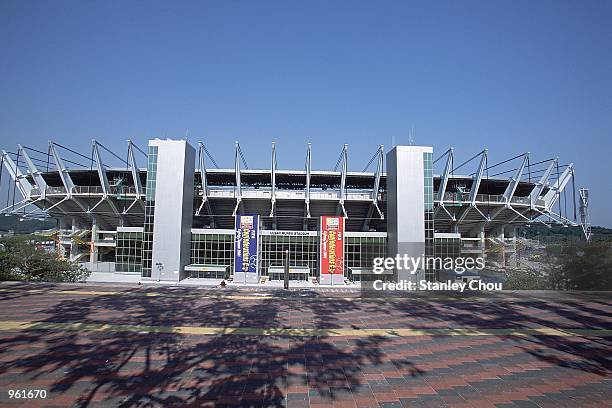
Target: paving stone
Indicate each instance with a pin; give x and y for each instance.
(137, 367)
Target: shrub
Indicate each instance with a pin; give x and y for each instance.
(524, 280)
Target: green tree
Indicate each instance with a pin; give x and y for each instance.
(22, 258)
(581, 265)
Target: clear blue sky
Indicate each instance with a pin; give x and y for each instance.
(512, 76)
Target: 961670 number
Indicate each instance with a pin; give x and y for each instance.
(27, 394)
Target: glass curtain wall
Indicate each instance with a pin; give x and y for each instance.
(147, 238)
(303, 251)
(360, 253)
(448, 247)
(217, 249)
(128, 252)
(430, 273)
(212, 250)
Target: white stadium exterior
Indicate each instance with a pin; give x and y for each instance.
(178, 218)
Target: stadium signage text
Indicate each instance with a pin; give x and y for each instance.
(289, 233)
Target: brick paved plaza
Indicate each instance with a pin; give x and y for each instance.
(92, 345)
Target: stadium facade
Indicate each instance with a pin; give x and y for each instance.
(182, 217)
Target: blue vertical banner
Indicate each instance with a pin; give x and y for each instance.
(245, 248)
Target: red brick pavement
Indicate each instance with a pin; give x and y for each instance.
(111, 368)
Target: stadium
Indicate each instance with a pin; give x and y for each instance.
(183, 217)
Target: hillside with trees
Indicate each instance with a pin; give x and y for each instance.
(559, 258)
(23, 226)
(556, 233)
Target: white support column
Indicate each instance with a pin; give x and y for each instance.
(465, 211)
(406, 224)
(443, 183)
(551, 197)
(375, 188)
(476, 180)
(341, 209)
(63, 226)
(536, 192)
(93, 254)
(556, 217)
(344, 170)
(135, 170)
(106, 191)
(273, 183)
(133, 167)
(378, 174)
(307, 191)
(40, 182)
(512, 258)
(74, 249)
(519, 214)
(511, 188)
(501, 237)
(100, 168)
(20, 205)
(585, 218)
(482, 239)
(20, 180)
(377, 177)
(445, 176)
(537, 189)
(514, 181)
(65, 177)
(204, 184)
(173, 196)
(237, 189)
(62, 170)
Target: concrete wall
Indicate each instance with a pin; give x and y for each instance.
(173, 209)
(405, 204)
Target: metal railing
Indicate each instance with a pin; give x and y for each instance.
(114, 190)
(487, 198)
(297, 194)
(449, 197)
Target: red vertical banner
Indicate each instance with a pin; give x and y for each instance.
(332, 249)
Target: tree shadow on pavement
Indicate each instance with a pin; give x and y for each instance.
(128, 364)
(560, 311)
